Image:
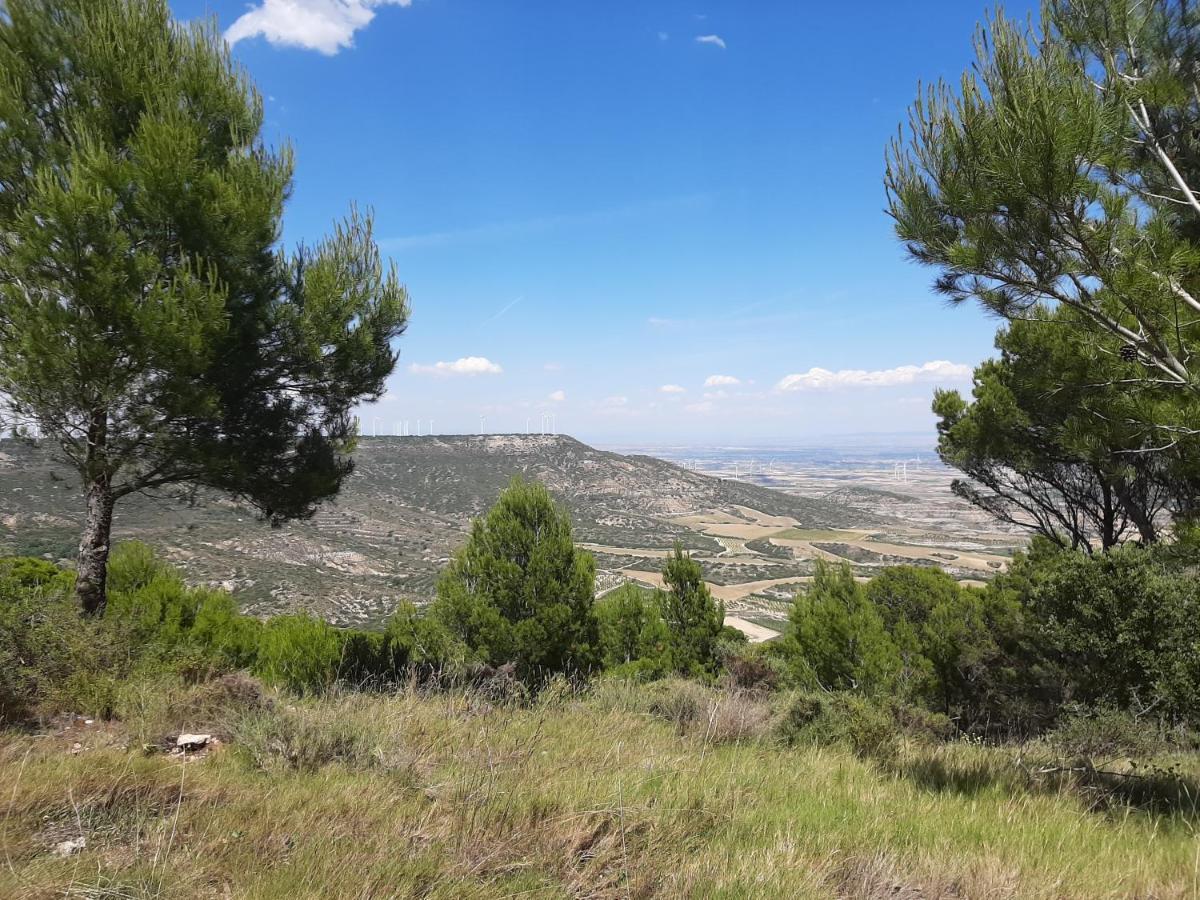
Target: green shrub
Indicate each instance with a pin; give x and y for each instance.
(633, 636)
(51, 661)
(910, 593)
(300, 653)
(840, 719)
(1107, 733)
(836, 639)
(30, 572)
(223, 634)
(1121, 628)
(519, 591)
(133, 565)
(420, 645)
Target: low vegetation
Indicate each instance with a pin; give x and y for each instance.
(667, 789)
(907, 736)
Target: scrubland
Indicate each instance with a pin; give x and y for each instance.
(614, 790)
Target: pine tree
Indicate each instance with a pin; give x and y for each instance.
(836, 638)
(1051, 440)
(520, 591)
(151, 326)
(1064, 171)
(694, 619)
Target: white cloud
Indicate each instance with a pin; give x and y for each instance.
(673, 389)
(705, 406)
(721, 381)
(326, 26)
(817, 379)
(715, 40)
(615, 406)
(553, 367)
(468, 365)
(558, 396)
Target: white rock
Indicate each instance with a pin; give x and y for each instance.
(192, 742)
(71, 847)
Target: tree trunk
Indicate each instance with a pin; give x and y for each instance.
(91, 570)
(1108, 521)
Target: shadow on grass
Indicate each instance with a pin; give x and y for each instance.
(1160, 792)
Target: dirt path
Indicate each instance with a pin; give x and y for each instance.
(756, 633)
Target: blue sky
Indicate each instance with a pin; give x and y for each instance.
(660, 221)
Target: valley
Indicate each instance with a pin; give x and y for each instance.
(756, 530)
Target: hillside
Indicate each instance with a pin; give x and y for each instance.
(406, 509)
(612, 793)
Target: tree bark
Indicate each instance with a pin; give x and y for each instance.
(1142, 518)
(91, 570)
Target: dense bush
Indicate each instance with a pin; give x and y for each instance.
(52, 660)
(519, 591)
(301, 653)
(840, 718)
(1122, 627)
(634, 639)
(48, 656)
(188, 628)
(837, 640)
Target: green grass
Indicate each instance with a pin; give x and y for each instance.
(450, 795)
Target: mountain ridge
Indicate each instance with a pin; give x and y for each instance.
(400, 516)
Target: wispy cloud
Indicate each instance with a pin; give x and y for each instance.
(326, 26)
(557, 396)
(503, 310)
(500, 231)
(714, 39)
(751, 315)
(673, 389)
(663, 36)
(468, 365)
(817, 379)
(721, 381)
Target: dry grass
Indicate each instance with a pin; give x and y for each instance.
(574, 796)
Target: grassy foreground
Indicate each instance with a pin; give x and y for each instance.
(588, 795)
